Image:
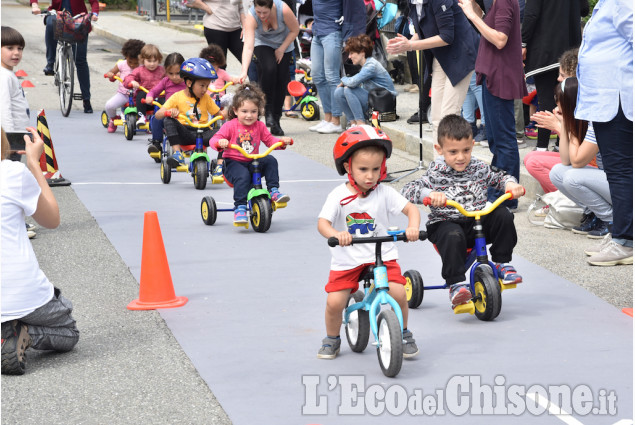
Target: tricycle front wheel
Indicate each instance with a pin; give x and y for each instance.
(261, 214)
(390, 343)
(200, 174)
(487, 293)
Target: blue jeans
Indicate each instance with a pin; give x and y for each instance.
(238, 173)
(326, 60)
(615, 140)
(79, 52)
(353, 102)
(474, 96)
(500, 126)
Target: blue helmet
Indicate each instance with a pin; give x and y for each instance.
(198, 69)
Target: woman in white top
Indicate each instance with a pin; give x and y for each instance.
(34, 313)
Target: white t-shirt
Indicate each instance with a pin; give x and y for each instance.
(364, 217)
(14, 111)
(24, 285)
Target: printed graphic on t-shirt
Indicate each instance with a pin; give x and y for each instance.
(361, 224)
(191, 115)
(245, 140)
(465, 193)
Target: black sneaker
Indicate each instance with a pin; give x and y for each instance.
(88, 109)
(276, 130)
(15, 341)
(414, 119)
(589, 222)
(48, 70)
(154, 146)
(603, 228)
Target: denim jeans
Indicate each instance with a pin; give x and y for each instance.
(500, 126)
(615, 140)
(79, 52)
(238, 173)
(353, 102)
(585, 186)
(474, 97)
(326, 60)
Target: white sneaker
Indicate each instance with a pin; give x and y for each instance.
(318, 125)
(330, 128)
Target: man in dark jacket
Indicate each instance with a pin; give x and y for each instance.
(549, 29)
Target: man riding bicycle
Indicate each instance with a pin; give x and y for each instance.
(74, 7)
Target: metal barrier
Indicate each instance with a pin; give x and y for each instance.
(157, 10)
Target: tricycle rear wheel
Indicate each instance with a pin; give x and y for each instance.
(414, 288)
(208, 210)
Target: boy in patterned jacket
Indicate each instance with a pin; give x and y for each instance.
(457, 176)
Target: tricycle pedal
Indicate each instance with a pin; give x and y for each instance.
(182, 168)
(277, 205)
(506, 286)
(464, 308)
(245, 225)
(218, 180)
(155, 155)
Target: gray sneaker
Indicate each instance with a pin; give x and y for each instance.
(15, 341)
(612, 254)
(410, 348)
(330, 348)
(595, 249)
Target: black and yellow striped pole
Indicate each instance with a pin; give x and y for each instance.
(48, 162)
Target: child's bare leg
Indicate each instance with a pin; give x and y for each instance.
(398, 292)
(335, 304)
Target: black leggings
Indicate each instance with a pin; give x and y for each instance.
(226, 40)
(273, 78)
(545, 91)
(453, 238)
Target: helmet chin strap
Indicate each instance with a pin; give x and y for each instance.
(360, 193)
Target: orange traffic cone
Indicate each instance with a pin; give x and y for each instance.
(48, 162)
(27, 83)
(156, 289)
(628, 311)
(20, 73)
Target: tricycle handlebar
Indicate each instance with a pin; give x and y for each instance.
(333, 241)
(259, 155)
(450, 203)
(207, 124)
(227, 84)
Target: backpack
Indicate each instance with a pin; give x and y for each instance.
(382, 101)
(563, 212)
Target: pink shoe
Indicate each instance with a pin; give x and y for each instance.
(111, 126)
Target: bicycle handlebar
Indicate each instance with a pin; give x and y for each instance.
(168, 113)
(227, 84)
(258, 155)
(333, 241)
(450, 203)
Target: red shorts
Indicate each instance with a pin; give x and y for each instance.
(349, 279)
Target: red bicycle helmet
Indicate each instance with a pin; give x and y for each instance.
(355, 138)
(351, 140)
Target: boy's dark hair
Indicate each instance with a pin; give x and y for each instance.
(173, 59)
(132, 48)
(247, 92)
(308, 21)
(360, 44)
(569, 62)
(214, 54)
(11, 37)
(453, 127)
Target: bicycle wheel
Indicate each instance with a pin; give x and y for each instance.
(358, 326)
(261, 214)
(67, 79)
(488, 294)
(390, 347)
